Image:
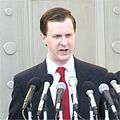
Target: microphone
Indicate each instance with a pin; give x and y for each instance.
(72, 81)
(89, 91)
(33, 85)
(48, 80)
(112, 80)
(61, 87)
(116, 87)
(104, 89)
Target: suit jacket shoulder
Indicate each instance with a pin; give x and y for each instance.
(20, 89)
(118, 74)
(89, 70)
(36, 70)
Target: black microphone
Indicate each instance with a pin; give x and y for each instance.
(48, 80)
(61, 87)
(89, 89)
(112, 79)
(73, 83)
(33, 85)
(104, 89)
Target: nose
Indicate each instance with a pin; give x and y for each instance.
(63, 41)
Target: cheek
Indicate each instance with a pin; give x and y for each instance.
(52, 45)
(72, 42)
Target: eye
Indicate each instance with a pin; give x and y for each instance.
(57, 36)
(68, 35)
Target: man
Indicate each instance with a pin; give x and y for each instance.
(58, 33)
(118, 74)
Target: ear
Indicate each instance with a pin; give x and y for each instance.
(43, 38)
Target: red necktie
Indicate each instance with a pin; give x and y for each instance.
(65, 100)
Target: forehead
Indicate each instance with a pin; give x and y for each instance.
(56, 26)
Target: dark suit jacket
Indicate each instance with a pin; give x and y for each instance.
(118, 75)
(84, 72)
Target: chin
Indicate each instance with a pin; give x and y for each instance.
(65, 58)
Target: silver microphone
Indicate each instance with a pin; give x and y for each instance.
(73, 83)
(48, 80)
(61, 87)
(104, 89)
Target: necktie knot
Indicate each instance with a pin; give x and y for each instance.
(61, 71)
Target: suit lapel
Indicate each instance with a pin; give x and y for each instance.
(50, 106)
(41, 72)
(82, 76)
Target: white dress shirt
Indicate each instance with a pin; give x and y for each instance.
(70, 71)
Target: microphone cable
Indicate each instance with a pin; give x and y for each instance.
(29, 112)
(23, 114)
(80, 117)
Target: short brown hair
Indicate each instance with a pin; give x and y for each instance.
(55, 14)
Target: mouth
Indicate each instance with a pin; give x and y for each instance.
(63, 51)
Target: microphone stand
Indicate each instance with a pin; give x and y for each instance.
(29, 111)
(75, 115)
(96, 116)
(75, 109)
(106, 110)
(45, 111)
(91, 113)
(59, 113)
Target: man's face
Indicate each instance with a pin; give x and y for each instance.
(60, 40)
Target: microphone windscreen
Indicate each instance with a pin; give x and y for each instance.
(48, 78)
(36, 82)
(61, 85)
(88, 85)
(103, 87)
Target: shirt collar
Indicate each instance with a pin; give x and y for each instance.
(70, 65)
(51, 66)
